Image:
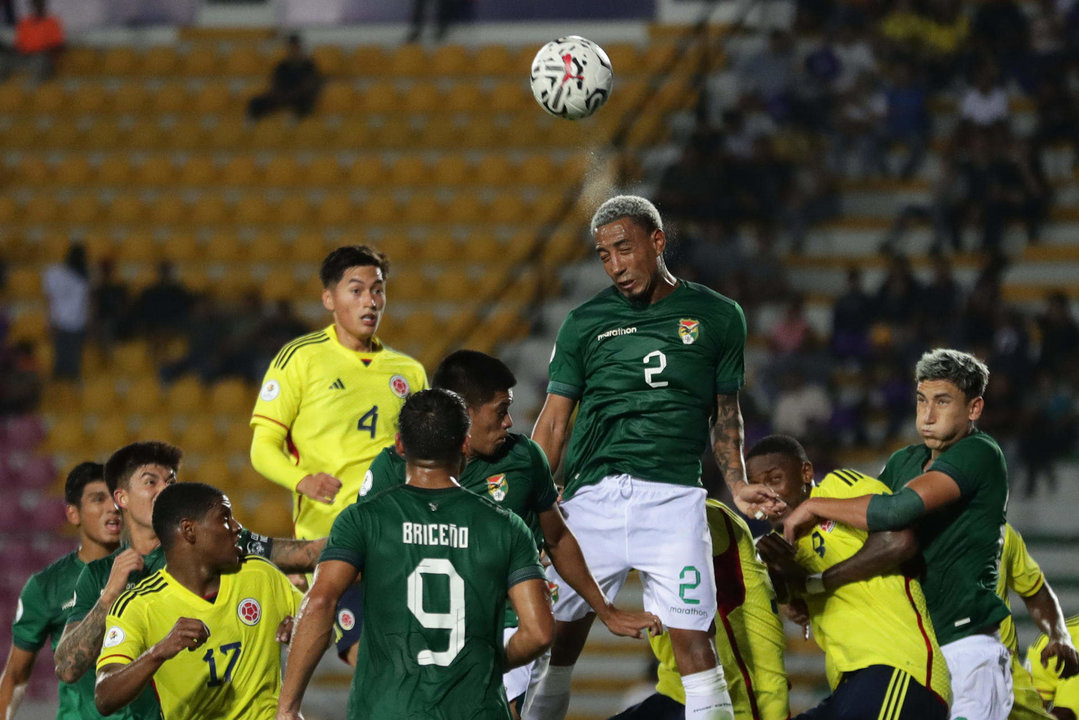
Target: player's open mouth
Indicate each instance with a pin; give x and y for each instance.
(113, 525)
(369, 319)
(625, 284)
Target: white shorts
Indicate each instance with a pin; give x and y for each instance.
(516, 680)
(981, 672)
(658, 529)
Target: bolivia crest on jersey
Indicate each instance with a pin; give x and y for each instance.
(689, 330)
(497, 487)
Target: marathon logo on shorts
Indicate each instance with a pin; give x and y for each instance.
(497, 487)
(687, 611)
(434, 534)
(689, 331)
(617, 332)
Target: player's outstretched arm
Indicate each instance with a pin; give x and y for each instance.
(272, 463)
(296, 556)
(312, 632)
(535, 629)
(566, 556)
(118, 684)
(17, 671)
(883, 552)
(80, 642)
(552, 428)
(728, 442)
(1045, 611)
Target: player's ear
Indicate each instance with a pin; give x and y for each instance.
(327, 299)
(659, 240)
(398, 445)
(807, 473)
(187, 530)
(71, 512)
(119, 496)
(974, 410)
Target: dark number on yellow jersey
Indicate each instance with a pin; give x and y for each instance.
(369, 421)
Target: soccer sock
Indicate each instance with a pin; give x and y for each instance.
(549, 699)
(706, 696)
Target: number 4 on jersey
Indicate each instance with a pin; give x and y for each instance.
(369, 421)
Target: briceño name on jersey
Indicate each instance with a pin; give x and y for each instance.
(616, 332)
(434, 534)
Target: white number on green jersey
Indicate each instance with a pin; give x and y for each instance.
(454, 620)
(651, 372)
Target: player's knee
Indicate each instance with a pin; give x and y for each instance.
(694, 650)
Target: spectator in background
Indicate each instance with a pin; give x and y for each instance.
(39, 41)
(942, 299)
(294, 85)
(1059, 336)
(985, 102)
(110, 303)
(858, 121)
(792, 333)
(802, 409)
(67, 288)
(1048, 429)
(447, 12)
(163, 308)
(999, 29)
(1058, 115)
(852, 316)
(907, 122)
(768, 76)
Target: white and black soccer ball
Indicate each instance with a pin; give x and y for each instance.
(571, 77)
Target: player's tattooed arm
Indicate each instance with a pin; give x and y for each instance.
(728, 441)
(296, 556)
(80, 644)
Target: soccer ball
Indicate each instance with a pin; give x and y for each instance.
(571, 77)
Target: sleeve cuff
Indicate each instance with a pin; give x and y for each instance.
(1037, 586)
(27, 646)
(532, 572)
(953, 472)
(342, 554)
(564, 389)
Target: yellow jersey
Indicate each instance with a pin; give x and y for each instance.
(749, 633)
(237, 673)
(339, 408)
(1019, 572)
(1061, 693)
(880, 621)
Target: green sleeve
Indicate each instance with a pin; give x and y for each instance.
(546, 494)
(387, 470)
(524, 559)
(30, 629)
(731, 364)
(88, 589)
(566, 369)
(348, 537)
(971, 463)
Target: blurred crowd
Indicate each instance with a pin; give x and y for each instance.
(910, 92)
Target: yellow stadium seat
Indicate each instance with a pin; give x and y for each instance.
(32, 170)
(537, 169)
(156, 426)
(213, 469)
(79, 60)
(89, 98)
(23, 282)
(48, 98)
(143, 396)
(494, 60)
(185, 396)
(366, 170)
(109, 434)
(381, 97)
(238, 434)
(82, 209)
(439, 133)
(409, 60)
(246, 60)
(182, 247)
(323, 171)
(338, 97)
(293, 209)
(201, 61)
(509, 208)
(453, 285)
(209, 209)
(409, 171)
(41, 208)
(378, 208)
(441, 249)
(29, 325)
(509, 96)
(140, 248)
(125, 209)
(12, 96)
(170, 99)
(21, 136)
(156, 170)
(423, 97)
(198, 436)
(114, 170)
(225, 247)
(464, 96)
(146, 134)
(282, 170)
(132, 358)
(63, 133)
(368, 61)
(329, 60)
(159, 61)
(199, 170)
(493, 169)
(466, 208)
(65, 432)
(484, 132)
(241, 170)
(73, 170)
(422, 209)
(212, 98)
(451, 169)
(253, 209)
(274, 515)
(231, 397)
(270, 133)
(168, 209)
(99, 394)
(355, 133)
(228, 134)
(450, 60)
(623, 57)
(335, 209)
(280, 284)
(314, 134)
(119, 60)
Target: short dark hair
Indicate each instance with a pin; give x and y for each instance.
(963, 370)
(181, 501)
(337, 262)
(779, 445)
(80, 476)
(473, 375)
(129, 458)
(433, 426)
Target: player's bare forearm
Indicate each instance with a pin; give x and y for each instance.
(882, 552)
(728, 441)
(296, 556)
(311, 635)
(849, 511)
(535, 629)
(80, 644)
(16, 677)
(1045, 611)
(552, 428)
(118, 685)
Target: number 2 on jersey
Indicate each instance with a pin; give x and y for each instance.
(232, 650)
(369, 421)
(452, 620)
(651, 372)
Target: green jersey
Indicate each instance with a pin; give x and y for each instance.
(436, 565)
(92, 581)
(962, 542)
(646, 377)
(42, 612)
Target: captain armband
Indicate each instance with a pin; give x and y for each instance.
(894, 512)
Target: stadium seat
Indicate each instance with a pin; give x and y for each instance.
(62, 133)
(139, 247)
(115, 170)
(99, 394)
(495, 60)
(451, 169)
(368, 61)
(31, 170)
(307, 249)
(231, 397)
(356, 134)
(313, 133)
(338, 97)
(225, 247)
(253, 209)
(283, 170)
(182, 247)
(143, 396)
(23, 282)
(12, 96)
(168, 210)
(41, 208)
(89, 98)
(209, 210)
(125, 209)
(466, 208)
(132, 358)
(65, 431)
(118, 60)
(329, 59)
(335, 209)
(280, 284)
(293, 209)
(378, 208)
(214, 470)
(539, 169)
(423, 97)
(48, 99)
(270, 133)
(198, 435)
(109, 433)
(246, 60)
(381, 97)
(159, 61)
(409, 171)
(214, 97)
(509, 97)
(157, 426)
(422, 209)
(241, 170)
(82, 209)
(199, 170)
(465, 97)
(409, 60)
(201, 61)
(185, 396)
(322, 171)
(509, 208)
(494, 169)
(156, 170)
(274, 515)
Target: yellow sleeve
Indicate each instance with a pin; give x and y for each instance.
(1045, 680)
(1067, 695)
(269, 459)
(279, 398)
(1024, 575)
(123, 642)
(846, 483)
